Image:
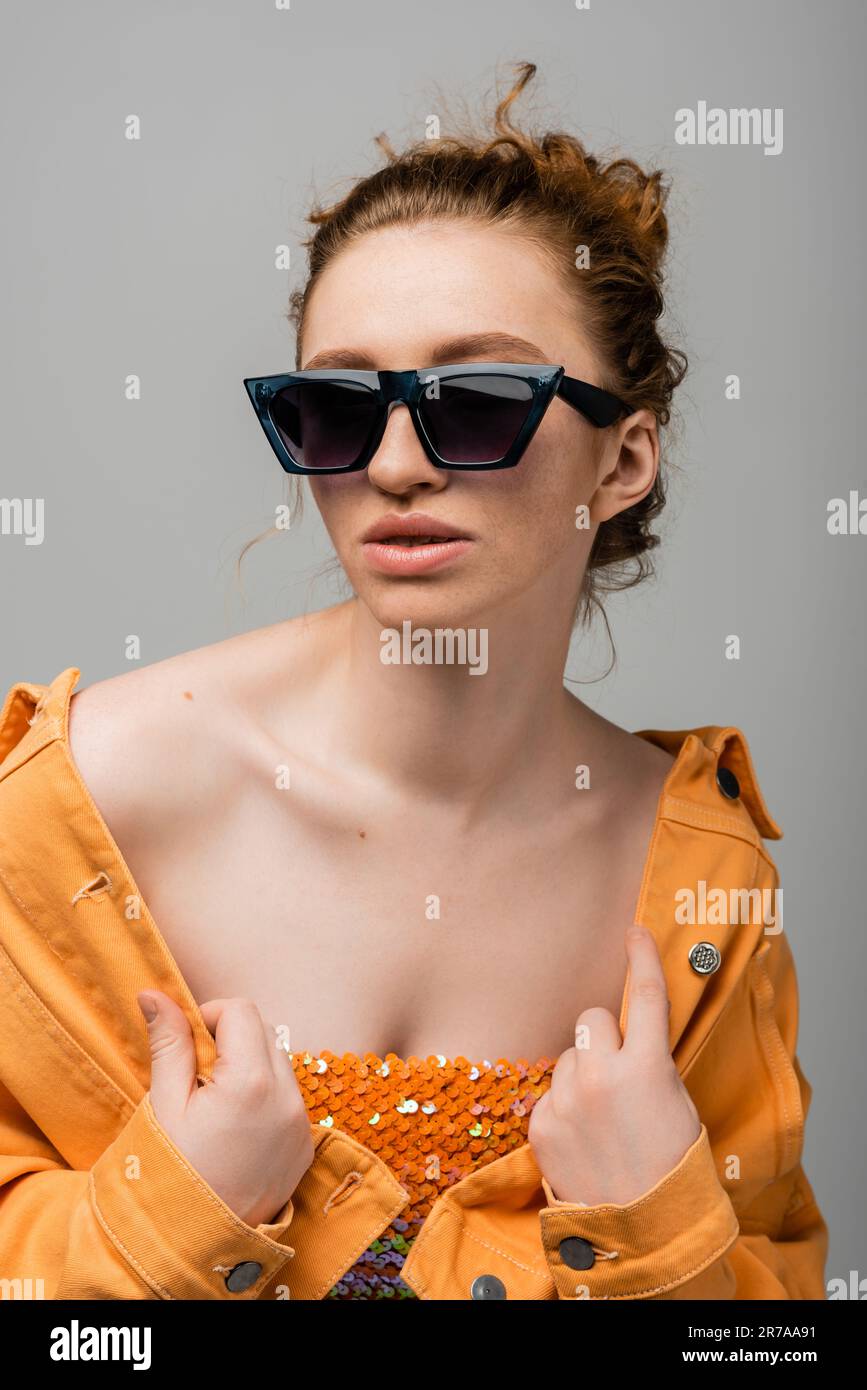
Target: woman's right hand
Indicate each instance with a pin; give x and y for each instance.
(248, 1132)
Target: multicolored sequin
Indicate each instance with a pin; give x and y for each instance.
(432, 1121)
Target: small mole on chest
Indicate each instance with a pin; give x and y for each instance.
(362, 834)
(188, 695)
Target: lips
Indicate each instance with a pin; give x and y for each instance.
(413, 544)
(416, 528)
(416, 540)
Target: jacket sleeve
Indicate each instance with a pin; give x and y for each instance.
(141, 1223)
(736, 1218)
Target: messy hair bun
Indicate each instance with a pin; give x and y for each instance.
(549, 189)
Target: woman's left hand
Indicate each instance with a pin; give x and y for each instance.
(617, 1116)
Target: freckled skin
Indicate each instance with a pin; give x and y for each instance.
(395, 292)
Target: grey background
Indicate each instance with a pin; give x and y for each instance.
(157, 257)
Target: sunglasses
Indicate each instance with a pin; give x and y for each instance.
(475, 415)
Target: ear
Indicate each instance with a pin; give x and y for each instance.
(628, 465)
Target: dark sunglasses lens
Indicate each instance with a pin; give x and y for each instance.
(475, 419)
(324, 424)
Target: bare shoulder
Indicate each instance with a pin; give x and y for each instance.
(639, 772)
(628, 761)
(168, 740)
(136, 738)
(629, 774)
(656, 762)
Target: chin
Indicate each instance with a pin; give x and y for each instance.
(425, 605)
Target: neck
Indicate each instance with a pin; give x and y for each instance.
(438, 729)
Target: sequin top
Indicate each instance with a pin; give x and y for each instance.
(431, 1121)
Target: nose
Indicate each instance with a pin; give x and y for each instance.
(400, 463)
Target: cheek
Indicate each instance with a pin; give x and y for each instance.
(335, 485)
(337, 496)
(554, 478)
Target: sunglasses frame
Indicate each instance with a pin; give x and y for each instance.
(599, 407)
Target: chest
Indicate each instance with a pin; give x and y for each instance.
(398, 937)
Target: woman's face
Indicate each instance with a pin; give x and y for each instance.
(413, 297)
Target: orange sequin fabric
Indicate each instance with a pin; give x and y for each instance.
(431, 1120)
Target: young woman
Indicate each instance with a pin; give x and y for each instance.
(371, 873)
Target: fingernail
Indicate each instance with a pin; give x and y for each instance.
(148, 1006)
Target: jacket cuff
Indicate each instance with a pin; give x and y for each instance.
(172, 1228)
(647, 1247)
(276, 1229)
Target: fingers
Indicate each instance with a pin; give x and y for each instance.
(596, 1034)
(278, 1042)
(597, 1030)
(242, 1042)
(647, 1022)
(173, 1052)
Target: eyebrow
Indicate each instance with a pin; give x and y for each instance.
(495, 347)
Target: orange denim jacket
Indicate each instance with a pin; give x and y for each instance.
(97, 1202)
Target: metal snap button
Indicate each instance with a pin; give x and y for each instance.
(577, 1253)
(243, 1275)
(488, 1286)
(728, 783)
(705, 958)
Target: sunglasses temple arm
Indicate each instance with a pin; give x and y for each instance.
(600, 407)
